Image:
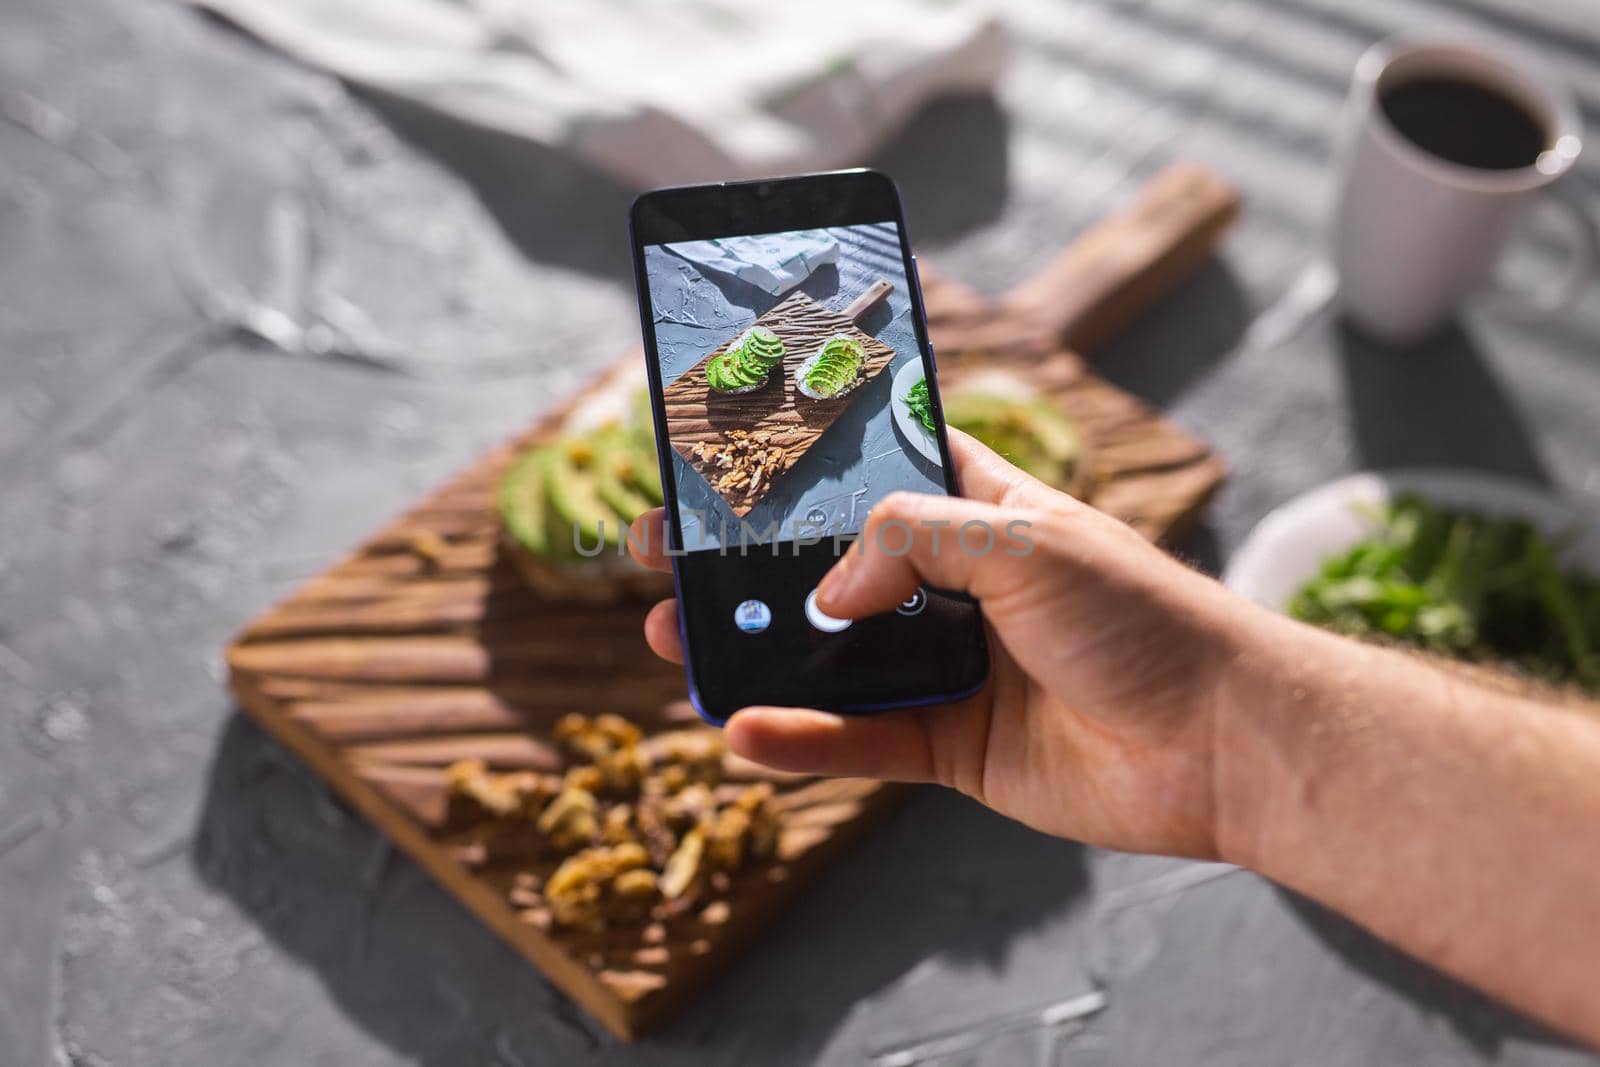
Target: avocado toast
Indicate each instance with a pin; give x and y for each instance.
(1009, 416)
(583, 489)
(746, 365)
(834, 369)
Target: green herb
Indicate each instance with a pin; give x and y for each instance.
(1465, 585)
(917, 402)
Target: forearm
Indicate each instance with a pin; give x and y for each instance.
(1460, 824)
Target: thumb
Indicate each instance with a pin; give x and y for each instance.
(895, 746)
(944, 744)
(910, 539)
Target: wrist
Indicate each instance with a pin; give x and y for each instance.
(1288, 709)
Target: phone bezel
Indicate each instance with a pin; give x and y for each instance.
(774, 205)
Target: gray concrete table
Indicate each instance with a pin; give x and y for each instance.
(246, 314)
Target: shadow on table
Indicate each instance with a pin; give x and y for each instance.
(415, 970)
(553, 207)
(1436, 404)
(1480, 1021)
(950, 160)
(944, 877)
(951, 164)
(1192, 329)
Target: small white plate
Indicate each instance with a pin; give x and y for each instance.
(1290, 545)
(911, 429)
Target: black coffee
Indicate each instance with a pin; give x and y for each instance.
(1465, 123)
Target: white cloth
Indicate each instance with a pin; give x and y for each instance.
(773, 262)
(654, 91)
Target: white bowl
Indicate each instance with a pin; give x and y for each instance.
(1290, 545)
(912, 432)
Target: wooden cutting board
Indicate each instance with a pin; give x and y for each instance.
(422, 645)
(699, 418)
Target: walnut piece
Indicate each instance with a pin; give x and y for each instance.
(499, 795)
(647, 828)
(746, 462)
(570, 820)
(684, 867)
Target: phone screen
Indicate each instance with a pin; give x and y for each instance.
(793, 389)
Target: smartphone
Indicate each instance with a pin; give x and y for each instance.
(783, 333)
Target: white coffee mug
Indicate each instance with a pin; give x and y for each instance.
(1413, 232)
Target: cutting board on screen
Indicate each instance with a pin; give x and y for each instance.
(700, 419)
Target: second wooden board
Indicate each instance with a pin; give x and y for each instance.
(703, 423)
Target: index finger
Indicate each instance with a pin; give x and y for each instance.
(984, 476)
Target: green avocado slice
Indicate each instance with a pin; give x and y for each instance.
(641, 420)
(716, 373)
(1032, 434)
(763, 345)
(643, 472)
(615, 479)
(558, 534)
(744, 372)
(575, 499)
(845, 351)
(523, 507)
(838, 364)
(823, 386)
(827, 368)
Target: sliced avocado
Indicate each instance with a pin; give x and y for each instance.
(828, 376)
(844, 350)
(764, 346)
(823, 380)
(641, 421)
(974, 408)
(752, 364)
(614, 474)
(837, 365)
(965, 409)
(523, 507)
(557, 538)
(740, 371)
(732, 378)
(575, 499)
(643, 472)
(716, 373)
(1030, 433)
(1058, 435)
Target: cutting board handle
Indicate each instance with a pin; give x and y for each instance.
(876, 294)
(1112, 272)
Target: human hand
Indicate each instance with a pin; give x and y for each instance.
(1136, 704)
(1108, 660)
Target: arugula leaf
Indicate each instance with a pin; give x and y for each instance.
(917, 401)
(1462, 584)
